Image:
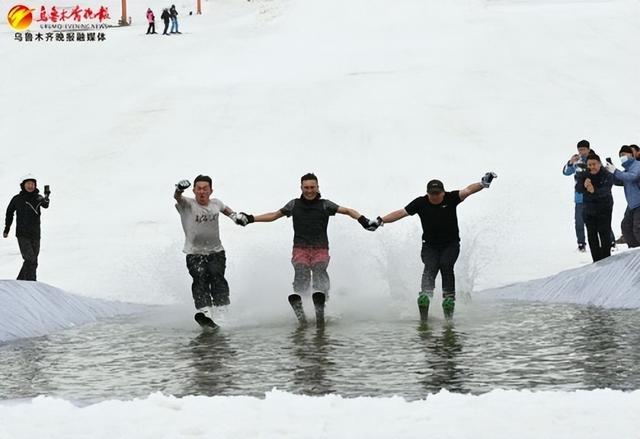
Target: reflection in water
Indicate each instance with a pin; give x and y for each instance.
(211, 355)
(313, 364)
(601, 361)
(442, 363)
(27, 359)
(492, 345)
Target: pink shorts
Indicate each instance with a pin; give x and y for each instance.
(309, 256)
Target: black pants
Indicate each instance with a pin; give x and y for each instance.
(209, 285)
(631, 227)
(30, 249)
(166, 27)
(152, 28)
(599, 234)
(439, 259)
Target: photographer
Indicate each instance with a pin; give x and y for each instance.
(576, 165)
(27, 206)
(595, 186)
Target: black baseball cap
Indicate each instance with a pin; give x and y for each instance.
(435, 187)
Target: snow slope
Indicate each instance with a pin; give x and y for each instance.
(498, 414)
(32, 309)
(376, 97)
(611, 283)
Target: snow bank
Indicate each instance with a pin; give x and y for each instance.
(31, 309)
(498, 414)
(611, 283)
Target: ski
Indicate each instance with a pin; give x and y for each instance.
(296, 303)
(204, 321)
(318, 302)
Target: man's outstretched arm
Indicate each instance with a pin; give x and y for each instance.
(394, 216)
(473, 188)
(266, 217)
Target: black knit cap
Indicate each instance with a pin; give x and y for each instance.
(435, 187)
(203, 178)
(584, 144)
(626, 148)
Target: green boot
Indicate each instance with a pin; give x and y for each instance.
(448, 305)
(423, 306)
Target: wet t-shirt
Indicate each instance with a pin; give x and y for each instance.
(200, 225)
(439, 221)
(310, 221)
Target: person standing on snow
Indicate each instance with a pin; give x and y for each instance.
(630, 179)
(440, 238)
(206, 258)
(173, 12)
(165, 17)
(27, 207)
(595, 185)
(310, 255)
(151, 18)
(576, 165)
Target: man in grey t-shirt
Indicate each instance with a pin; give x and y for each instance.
(206, 258)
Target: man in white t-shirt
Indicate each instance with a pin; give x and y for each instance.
(206, 258)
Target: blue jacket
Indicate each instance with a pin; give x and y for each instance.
(630, 178)
(576, 170)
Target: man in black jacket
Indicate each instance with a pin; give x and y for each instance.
(27, 206)
(595, 185)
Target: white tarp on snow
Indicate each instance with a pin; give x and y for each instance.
(611, 283)
(32, 309)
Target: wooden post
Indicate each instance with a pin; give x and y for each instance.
(199, 8)
(123, 19)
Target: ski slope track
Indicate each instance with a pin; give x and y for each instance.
(33, 309)
(611, 283)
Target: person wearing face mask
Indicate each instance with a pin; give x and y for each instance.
(630, 179)
(26, 205)
(440, 238)
(595, 185)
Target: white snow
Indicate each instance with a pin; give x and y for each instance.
(613, 282)
(376, 97)
(32, 309)
(497, 414)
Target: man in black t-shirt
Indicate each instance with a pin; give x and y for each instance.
(440, 238)
(310, 258)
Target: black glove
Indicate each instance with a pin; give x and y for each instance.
(248, 216)
(370, 225)
(182, 185)
(487, 179)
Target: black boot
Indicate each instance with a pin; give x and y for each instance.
(296, 303)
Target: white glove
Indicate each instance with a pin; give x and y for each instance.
(374, 224)
(239, 218)
(487, 179)
(182, 185)
(610, 167)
